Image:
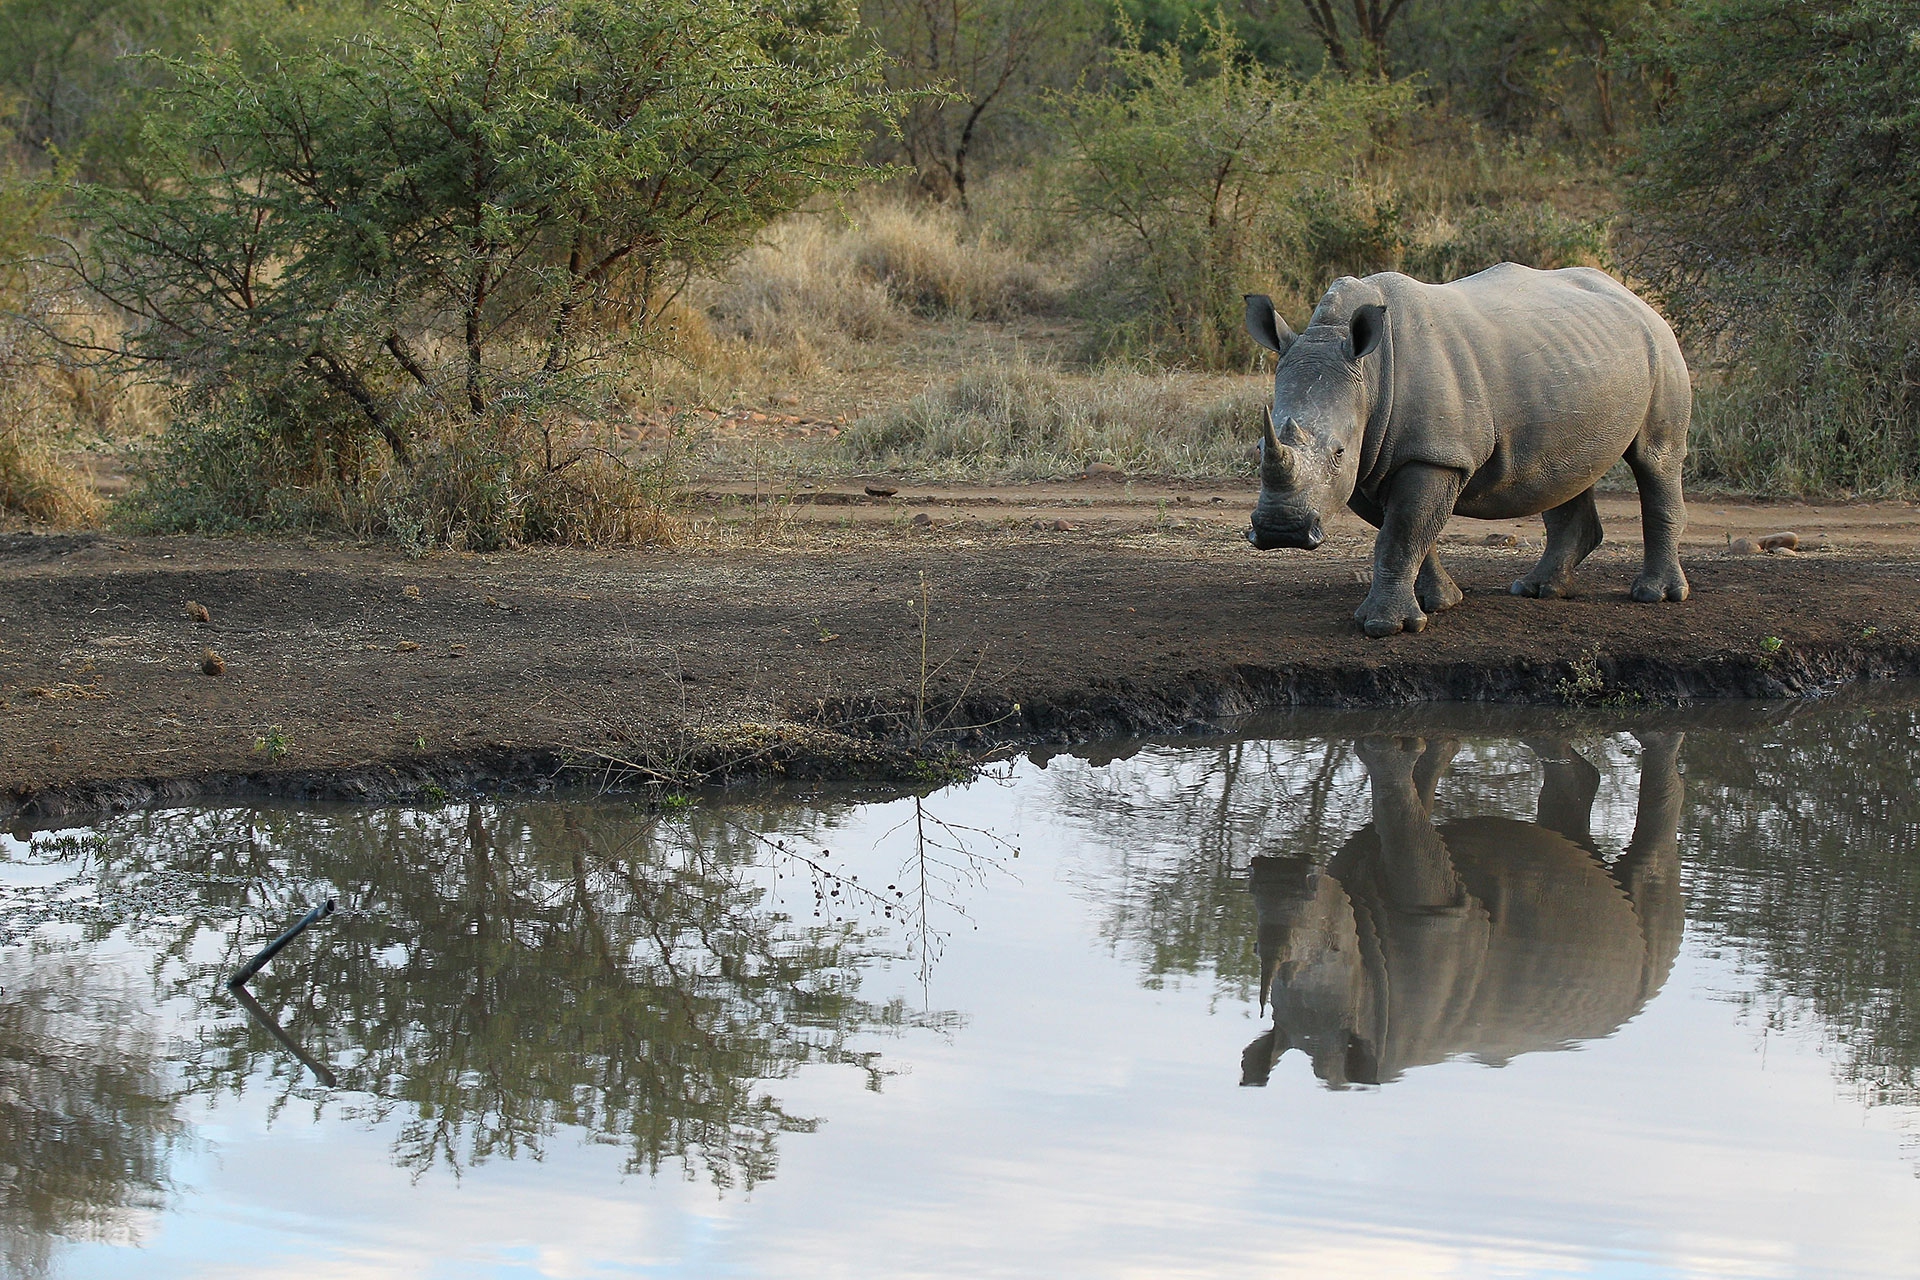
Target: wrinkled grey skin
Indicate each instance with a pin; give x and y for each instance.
(1487, 936)
(1506, 394)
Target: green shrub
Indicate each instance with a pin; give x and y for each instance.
(1199, 172)
(1822, 399)
(468, 214)
(1790, 144)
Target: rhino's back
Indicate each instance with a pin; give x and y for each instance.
(1565, 952)
(1548, 952)
(1530, 382)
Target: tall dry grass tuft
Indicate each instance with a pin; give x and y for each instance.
(932, 263)
(827, 274)
(35, 488)
(1022, 421)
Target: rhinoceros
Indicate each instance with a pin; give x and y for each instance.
(1484, 936)
(1508, 393)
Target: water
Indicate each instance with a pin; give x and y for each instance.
(1544, 996)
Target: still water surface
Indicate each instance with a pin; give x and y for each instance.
(1523, 995)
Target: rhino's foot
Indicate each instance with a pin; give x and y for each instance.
(1384, 757)
(1667, 584)
(1385, 617)
(1436, 590)
(1543, 588)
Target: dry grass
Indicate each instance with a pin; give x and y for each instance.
(1024, 421)
(35, 488)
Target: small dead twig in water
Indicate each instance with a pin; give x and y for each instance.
(268, 952)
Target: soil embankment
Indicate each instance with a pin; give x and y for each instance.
(358, 672)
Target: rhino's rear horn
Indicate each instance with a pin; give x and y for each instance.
(1276, 459)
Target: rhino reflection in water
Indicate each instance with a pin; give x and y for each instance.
(1486, 937)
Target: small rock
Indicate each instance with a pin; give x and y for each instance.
(410, 591)
(1743, 547)
(923, 521)
(405, 646)
(1780, 542)
(198, 612)
(1097, 469)
(1061, 526)
(212, 664)
(1503, 540)
(881, 491)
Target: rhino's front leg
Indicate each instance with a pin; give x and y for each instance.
(1419, 500)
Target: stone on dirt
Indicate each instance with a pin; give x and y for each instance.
(881, 491)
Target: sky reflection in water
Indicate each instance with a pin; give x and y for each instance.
(1002, 1029)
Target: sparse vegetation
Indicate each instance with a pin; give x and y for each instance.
(1024, 421)
(296, 305)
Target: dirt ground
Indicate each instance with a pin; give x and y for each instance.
(788, 631)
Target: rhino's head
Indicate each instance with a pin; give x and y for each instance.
(1310, 973)
(1321, 399)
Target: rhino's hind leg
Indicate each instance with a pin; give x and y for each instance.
(1573, 530)
(1663, 517)
(1435, 588)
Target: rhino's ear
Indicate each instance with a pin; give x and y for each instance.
(1366, 330)
(1266, 326)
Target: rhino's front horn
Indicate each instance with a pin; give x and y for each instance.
(1276, 459)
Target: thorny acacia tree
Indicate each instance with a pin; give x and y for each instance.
(463, 212)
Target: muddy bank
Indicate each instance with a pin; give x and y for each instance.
(353, 673)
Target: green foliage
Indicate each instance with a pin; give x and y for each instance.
(966, 69)
(1822, 398)
(463, 217)
(1553, 67)
(1200, 170)
(1792, 136)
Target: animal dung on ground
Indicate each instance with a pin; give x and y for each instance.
(198, 612)
(405, 646)
(410, 591)
(1774, 544)
(1503, 540)
(212, 664)
(881, 491)
(923, 521)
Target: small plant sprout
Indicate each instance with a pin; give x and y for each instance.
(1770, 645)
(274, 741)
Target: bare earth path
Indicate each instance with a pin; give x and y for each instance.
(788, 638)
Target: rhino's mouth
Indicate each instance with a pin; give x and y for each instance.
(1306, 535)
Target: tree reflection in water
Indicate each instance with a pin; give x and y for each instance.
(87, 1118)
(499, 973)
(1813, 878)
